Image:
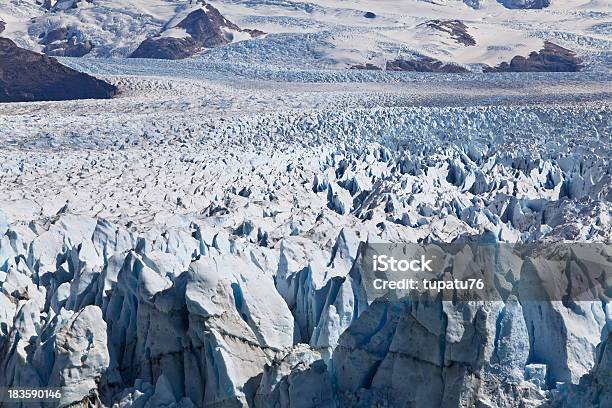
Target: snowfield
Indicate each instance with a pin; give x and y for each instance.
(195, 241)
(323, 33)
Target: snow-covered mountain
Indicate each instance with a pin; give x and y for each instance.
(191, 31)
(319, 33)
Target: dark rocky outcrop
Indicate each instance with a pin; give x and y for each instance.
(419, 64)
(63, 42)
(367, 66)
(455, 28)
(551, 58)
(206, 29)
(166, 48)
(54, 5)
(525, 4)
(28, 76)
(369, 14)
(513, 4)
(475, 4)
(424, 64)
(2, 26)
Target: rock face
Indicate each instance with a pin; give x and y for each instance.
(28, 76)
(455, 28)
(62, 42)
(205, 28)
(367, 66)
(424, 64)
(525, 4)
(60, 5)
(552, 58)
(513, 4)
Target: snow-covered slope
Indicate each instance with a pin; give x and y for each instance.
(323, 33)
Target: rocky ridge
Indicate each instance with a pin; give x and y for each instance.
(204, 27)
(551, 58)
(27, 76)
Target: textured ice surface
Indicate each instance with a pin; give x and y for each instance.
(194, 242)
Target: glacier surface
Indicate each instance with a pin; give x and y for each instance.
(195, 241)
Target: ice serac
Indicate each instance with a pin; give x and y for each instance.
(223, 335)
(145, 320)
(27, 76)
(300, 378)
(594, 388)
(68, 352)
(464, 351)
(452, 351)
(80, 356)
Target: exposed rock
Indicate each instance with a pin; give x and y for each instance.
(367, 66)
(28, 76)
(69, 49)
(525, 4)
(551, 58)
(57, 34)
(60, 5)
(475, 4)
(166, 48)
(424, 64)
(369, 14)
(205, 28)
(455, 28)
(61, 42)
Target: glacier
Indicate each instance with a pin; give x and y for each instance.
(199, 240)
(198, 252)
(195, 242)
